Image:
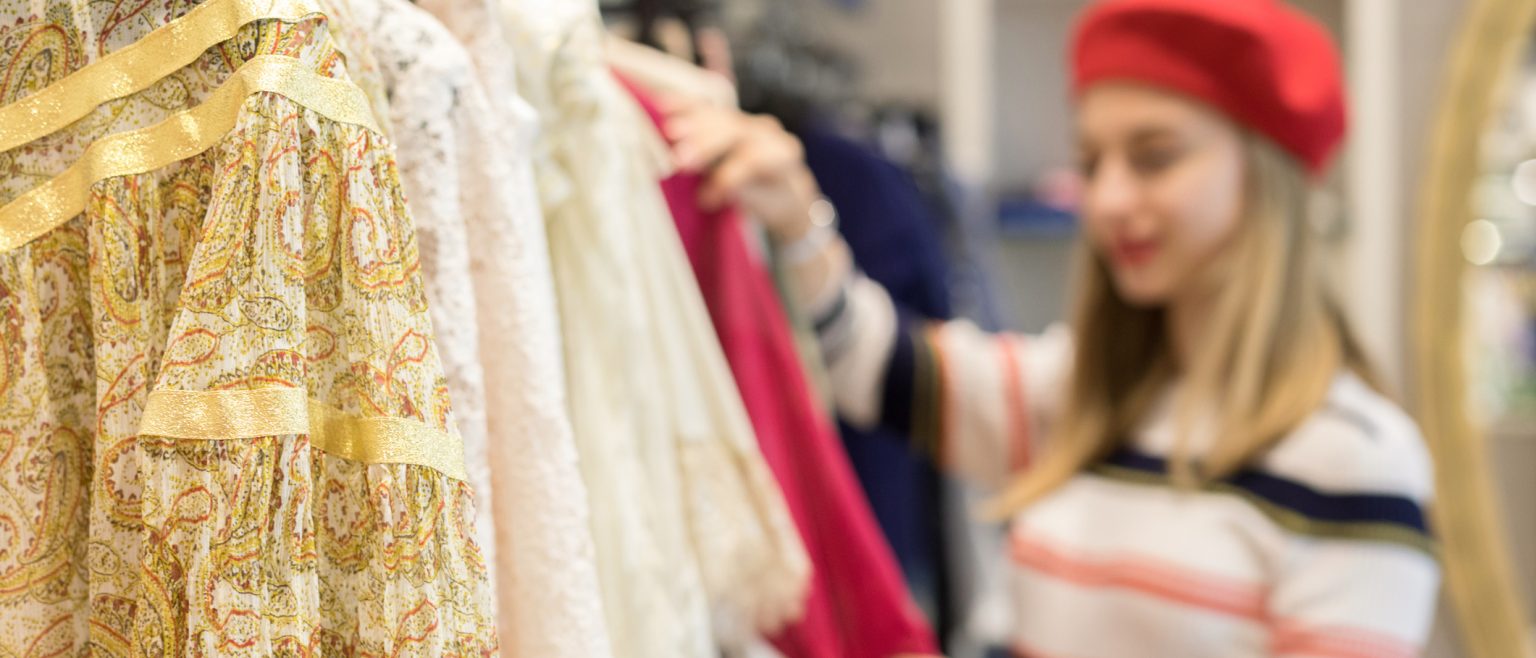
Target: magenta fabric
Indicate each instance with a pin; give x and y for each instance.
(859, 606)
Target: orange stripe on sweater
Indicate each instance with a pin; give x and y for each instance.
(1293, 638)
(1018, 405)
(1184, 585)
(1145, 575)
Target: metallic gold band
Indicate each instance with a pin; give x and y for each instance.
(135, 67)
(244, 414)
(180, 136)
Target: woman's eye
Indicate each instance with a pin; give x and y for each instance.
(1154, 161)
(1087, 165)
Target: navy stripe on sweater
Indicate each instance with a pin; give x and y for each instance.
(1333, 514)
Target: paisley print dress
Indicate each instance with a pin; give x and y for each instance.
(224, 429)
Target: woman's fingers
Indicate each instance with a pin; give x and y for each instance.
(739, 167)
(750, 160)
(699, 152)
(701, 135)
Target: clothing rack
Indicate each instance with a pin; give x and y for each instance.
(694, 14)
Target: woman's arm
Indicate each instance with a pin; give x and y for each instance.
(974, 401)
(977, 402)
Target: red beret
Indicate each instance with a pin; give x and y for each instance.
(1265, 65)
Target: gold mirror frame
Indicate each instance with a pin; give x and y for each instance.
(1479, 575)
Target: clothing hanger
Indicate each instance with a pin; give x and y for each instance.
(782, 71)
(661, 72)
(647, 16)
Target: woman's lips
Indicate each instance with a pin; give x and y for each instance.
(1135, 253)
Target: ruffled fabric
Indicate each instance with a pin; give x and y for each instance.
(463, 139)
(225, 430)
(859, 606)
(692, 532)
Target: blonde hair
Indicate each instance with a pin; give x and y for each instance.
(1274, 347)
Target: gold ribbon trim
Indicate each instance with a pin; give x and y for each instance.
(245, 414)
(385, 440)
(238, 414)
(180, 136)
(136, 66)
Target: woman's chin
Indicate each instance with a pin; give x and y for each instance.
(1140, 292)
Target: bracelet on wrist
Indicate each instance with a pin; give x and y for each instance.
(821, 233)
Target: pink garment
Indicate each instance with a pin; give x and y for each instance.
(859, 606)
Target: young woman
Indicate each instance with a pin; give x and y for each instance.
(1202, 466)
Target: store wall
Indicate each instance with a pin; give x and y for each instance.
(1034, 118)
(894, 41)
(1424, 38)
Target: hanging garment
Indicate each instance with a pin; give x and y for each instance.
(896, 242)
(653, 597)
(225, 427)
(859, 606)
(428, 79)
(546, 564)
(661, 72)
(349, 32)
(486, 266)
(687, 520)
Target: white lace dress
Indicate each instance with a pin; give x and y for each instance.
(687, 520)
(465, 164)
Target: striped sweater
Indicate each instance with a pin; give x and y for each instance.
(1319, 548)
